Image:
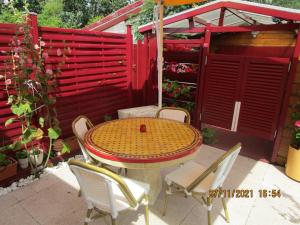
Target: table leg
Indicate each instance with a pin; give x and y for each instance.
(150, 176)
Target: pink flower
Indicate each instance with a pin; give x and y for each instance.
(58, 52)
(45, 55)
(8, 82)
(42, 43)
(36, 46)
(49, 71)
(16, 50)
(18, 42)
(16, 56)
(21, 29)
(297, 124)
(29, 60)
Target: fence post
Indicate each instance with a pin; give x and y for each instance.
(201, 79)
(285, 106)
(129, 61)
(32, 23)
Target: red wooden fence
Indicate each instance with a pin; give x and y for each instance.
(95, 79)
(144, 75)
(7, 32)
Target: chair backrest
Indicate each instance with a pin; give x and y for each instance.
(97, 184)
(221, 167)
(80, 126)
(173, 113)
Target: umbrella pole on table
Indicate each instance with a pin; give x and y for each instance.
(160, 42)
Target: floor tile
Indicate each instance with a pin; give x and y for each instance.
(7, 201)
(16, 215)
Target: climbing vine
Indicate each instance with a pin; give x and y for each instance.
(30, 87)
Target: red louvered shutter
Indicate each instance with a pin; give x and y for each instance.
(261, 96)
(221, 89)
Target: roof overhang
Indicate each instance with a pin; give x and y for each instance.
(116, 17)
(232, 12)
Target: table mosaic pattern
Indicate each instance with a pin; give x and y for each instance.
(121, 140)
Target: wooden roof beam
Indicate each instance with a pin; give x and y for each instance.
(200, 21)
(222, 16)
(242, 16)
(184, 30)
(191, 23)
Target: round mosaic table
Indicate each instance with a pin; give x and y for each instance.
(165, 143)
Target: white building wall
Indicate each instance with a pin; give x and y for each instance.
(119, 28)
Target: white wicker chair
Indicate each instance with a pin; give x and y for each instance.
(80, 126)
(173, 113)
(108, 193)
(192, 179)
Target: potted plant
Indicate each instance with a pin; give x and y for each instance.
(36, 156)
(8, 167)
(209, 135)
(293, 159)
(22, 157)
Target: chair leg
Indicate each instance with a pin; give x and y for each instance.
(209, 208)
(119, 171)
(79, 193)
(113, 221)
(146, 210)
(167, 192)
(225, 210)
(88, 216)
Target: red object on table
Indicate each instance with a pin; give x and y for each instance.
(143, 128)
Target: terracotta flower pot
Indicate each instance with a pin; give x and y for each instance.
(293, 164)
(9, 170)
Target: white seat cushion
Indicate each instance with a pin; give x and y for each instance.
(173, 114)
(137, 188)
(187, 173)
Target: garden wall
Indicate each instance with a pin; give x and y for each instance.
(268, 43)
(95, 78)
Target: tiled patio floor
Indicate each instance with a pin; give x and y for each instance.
(54, 200)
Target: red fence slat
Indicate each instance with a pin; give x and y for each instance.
(95, 75)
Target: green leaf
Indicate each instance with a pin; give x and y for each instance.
(54, 133)
(9, 121)
(2, 157)
(22, 108)
(66, 148)
(42, 121)
(17, 145)
(27, 136)
(16, 110)
(26, 107)
(14, 146)
(37, 134)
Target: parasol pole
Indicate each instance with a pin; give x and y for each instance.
(160, 42)
(160, 39)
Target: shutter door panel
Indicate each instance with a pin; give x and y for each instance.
(263, 88)
(221, 88)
